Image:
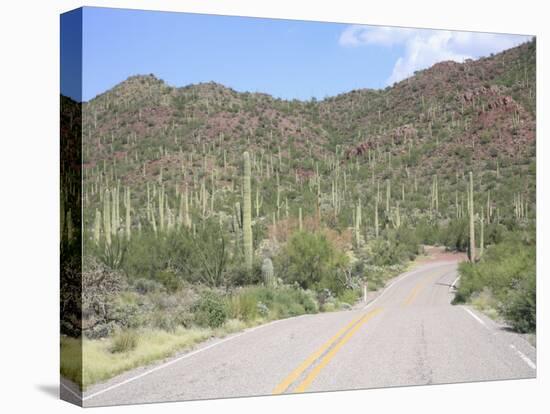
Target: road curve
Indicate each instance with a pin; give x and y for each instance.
(409, 335)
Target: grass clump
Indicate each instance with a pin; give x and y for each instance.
(124, 341)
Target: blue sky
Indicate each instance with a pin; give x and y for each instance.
(285, 58)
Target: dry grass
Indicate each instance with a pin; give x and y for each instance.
(90, 361)
(485, 302)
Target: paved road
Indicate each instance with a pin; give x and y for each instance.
(409, 335)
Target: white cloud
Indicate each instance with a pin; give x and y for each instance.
(422, 47)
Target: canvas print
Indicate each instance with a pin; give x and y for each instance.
(256, 206)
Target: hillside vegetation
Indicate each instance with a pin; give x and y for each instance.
(203, 205)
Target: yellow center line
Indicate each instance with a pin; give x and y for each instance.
(413, 293)
(294, 375)
(304, 385)
(416, 290)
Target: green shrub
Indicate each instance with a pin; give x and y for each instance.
(168, 279)
(210, 310)
(349, 296)
(519, 307)
(395, 247)
(311, 261)
(329, 307)
(145, 286)
(244, 305)
(164, 321)
(295, 309)
(507, 270)
(456, 235)
(124, 341)
(269, 302)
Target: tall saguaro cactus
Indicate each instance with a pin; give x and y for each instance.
(481, 233)
(388, 195)
(97, 226)
(376, 217)
(357, 230)
(472, 243)
(128, 208)
(247, 212)
(107, 218)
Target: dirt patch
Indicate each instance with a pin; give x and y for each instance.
(439, 254)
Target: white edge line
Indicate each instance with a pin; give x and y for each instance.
(190, 354)
(524, 357)
(185, 356)
(405, 275)
(71, 391)
(477, 318)
(453, 285)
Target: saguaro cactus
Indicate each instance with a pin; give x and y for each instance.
(107, 218)
(259, 202)
(376, 217)
(481, 233)
(97, 226)
(127, 207)
(161, 207)
(388, 195)
(247, 212)
(267, 272)
(472, 242)
(358, 224)
(186, 216)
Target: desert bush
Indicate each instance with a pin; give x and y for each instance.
(349, 296)
(311, 261)
(113, 255)
(456, 235)
(395, 247)
(239, 275)
(519, 306)
(100, 289)
(210, 310)
(168, 279)
(144, 286)
(164, 321)
(251, 302)
(124, 341)
(243, 305)
(507, 270)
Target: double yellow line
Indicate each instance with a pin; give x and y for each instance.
(413, 293)
(336, 342)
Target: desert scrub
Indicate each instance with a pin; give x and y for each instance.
(349, 296)
(507, 273)
(485, 302)
(124, 341)
(210, 310)
(100, 363)
(311, 260)
(101, 288)
(257, 303)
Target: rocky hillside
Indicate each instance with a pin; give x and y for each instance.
(434, 127)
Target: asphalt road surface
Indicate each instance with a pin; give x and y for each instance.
(409, 335)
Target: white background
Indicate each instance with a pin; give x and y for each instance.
(29, 69)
